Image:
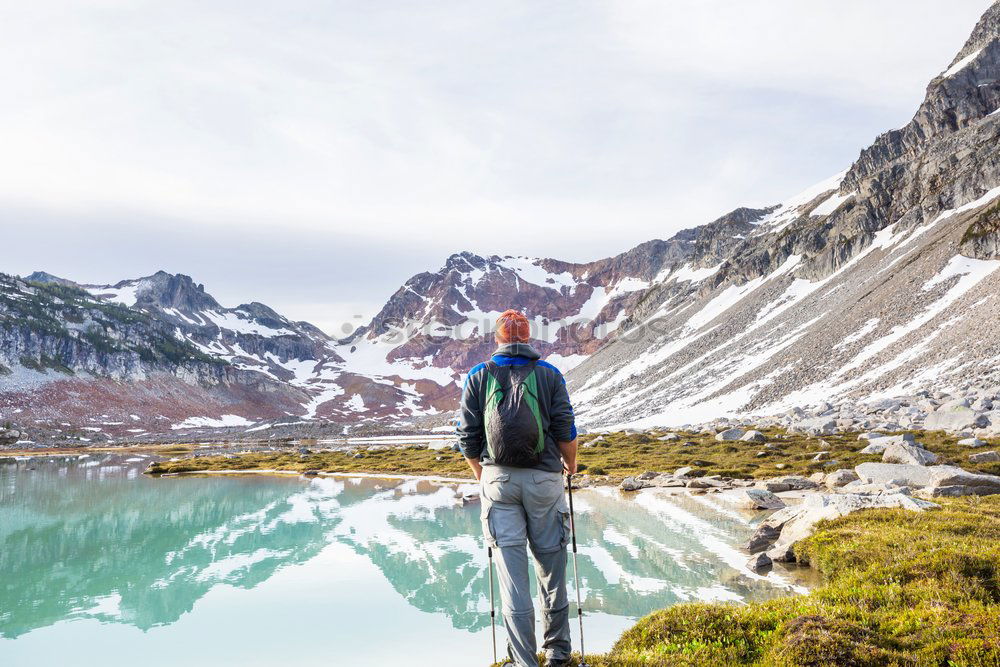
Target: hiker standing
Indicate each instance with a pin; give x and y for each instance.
(518, 435)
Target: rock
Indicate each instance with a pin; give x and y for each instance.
(632, 484)
(820, 456)
(666, 481)
(953, 481)
(817, 508)
(985, 457)
(878, 445)
(763, 537)
(669, 437)
(761, 454)
(818, 477)
(646, 476)
(870, 435)
(839, 478)
(310, 473)
(882, 473)
(358, 455)
(972, 442)
(9, 436)
(798, 483)
(683, 472)
(304, 451)
(816, 426)
(780, 466)
(759, 562)
(781, 553)
(705, 483)
(776, 487)
(729, 434)
(954, 415)
(753, 436)
(908, 454)
(758, 499)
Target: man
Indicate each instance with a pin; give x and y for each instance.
(518, 435)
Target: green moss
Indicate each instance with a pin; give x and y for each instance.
(396, 461)
(900, 588)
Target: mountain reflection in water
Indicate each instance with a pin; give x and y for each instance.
(94, 539)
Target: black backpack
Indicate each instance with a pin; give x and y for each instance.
(512, 415)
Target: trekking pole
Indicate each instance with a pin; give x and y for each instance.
(493, 623)
(576, 569)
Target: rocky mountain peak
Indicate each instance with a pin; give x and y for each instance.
(165, 290)
(986, 31)
(44, 277)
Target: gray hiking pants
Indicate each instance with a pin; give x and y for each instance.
(520, 507)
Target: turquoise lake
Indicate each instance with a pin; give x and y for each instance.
(100, 565)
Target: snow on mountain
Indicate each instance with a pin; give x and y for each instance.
(880, 280)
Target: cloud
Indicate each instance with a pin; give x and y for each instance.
(408, 131)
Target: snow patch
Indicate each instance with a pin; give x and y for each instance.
(961, 64)
(209, 422)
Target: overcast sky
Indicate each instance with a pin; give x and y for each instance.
(314, 155)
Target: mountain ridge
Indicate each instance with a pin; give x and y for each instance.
(855, 287)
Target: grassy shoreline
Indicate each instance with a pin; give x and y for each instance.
(609, 457)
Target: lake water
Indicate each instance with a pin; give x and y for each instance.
(100, 565)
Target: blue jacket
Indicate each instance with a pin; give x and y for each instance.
(557, 413)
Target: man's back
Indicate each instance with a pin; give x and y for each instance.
(553, 401)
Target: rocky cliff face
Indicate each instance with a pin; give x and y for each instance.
(880, 282)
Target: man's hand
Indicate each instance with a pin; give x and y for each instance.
(568, 451)
(477, 469)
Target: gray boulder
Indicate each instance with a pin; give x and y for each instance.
(818, 508)
(753, 436)
(908, 454)
(669, 437)
(816, 426)
(763, 537)
(781, 553)
(758, 562)
(633, 484)
(839, 478)
(798, 483)
(666, 481)
(729, 434)
(758, 499)
(954, 481)
(954, 416)
(9, 436)
(984, 457)
(972, 442)
(705, 483)
(904, 475)
(683, 472)
(878, 445)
